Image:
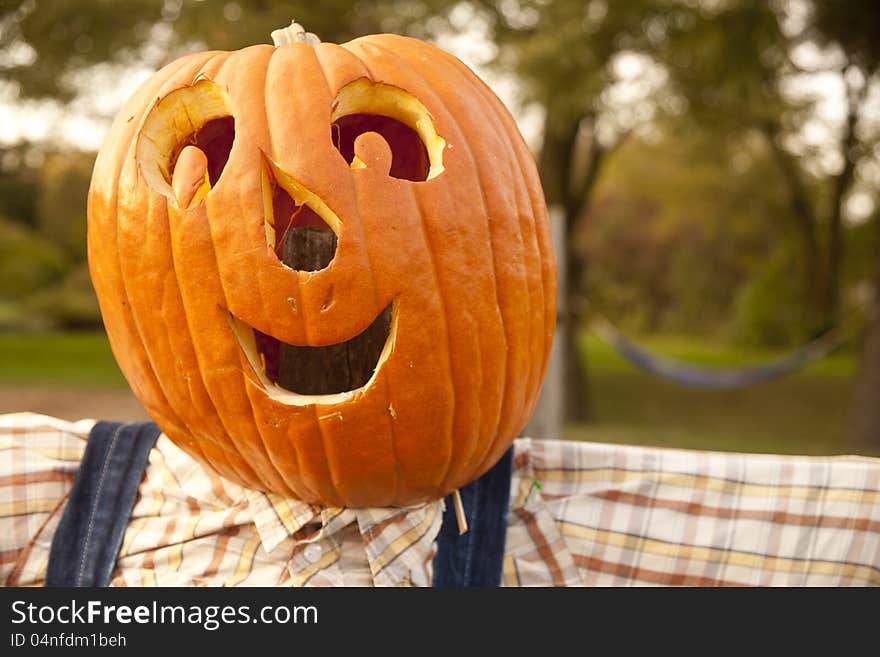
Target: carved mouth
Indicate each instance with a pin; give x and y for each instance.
(301, 374)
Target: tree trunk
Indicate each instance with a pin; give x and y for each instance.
(802, 210)
(864, 435)
(577, 388)
(830, 300)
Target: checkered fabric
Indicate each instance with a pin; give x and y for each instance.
(580, 514)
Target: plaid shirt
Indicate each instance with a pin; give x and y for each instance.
(580, 514)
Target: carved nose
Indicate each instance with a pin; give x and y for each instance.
(301, 238)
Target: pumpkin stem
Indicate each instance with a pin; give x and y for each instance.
(293, 33)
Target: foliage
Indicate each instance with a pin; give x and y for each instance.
(678, 236)
(61, 201)
(727, 63)
(38, 288)
(68, 305)
(18, 186)
(28, 262)
(766, 308)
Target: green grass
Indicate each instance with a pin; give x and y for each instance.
(800, 414)
(804, 413)
(58, 359)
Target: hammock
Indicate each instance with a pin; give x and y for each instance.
(716, 378)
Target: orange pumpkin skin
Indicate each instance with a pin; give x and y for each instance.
(465, 258)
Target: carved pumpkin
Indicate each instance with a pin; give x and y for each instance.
(436, 299)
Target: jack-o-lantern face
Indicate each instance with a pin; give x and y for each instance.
(326, 270)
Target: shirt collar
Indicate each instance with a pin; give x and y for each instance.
(398, 541)
(277, 517)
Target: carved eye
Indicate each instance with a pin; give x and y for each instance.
(409, 157)
(185, 142)
(362, 107)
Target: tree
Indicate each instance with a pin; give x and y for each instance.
(61, 201)
(854, 29)
(678, 239)
(764, 90)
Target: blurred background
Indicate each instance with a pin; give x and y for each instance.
(713, 168)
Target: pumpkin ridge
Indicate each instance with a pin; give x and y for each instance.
(443, 304)
(263, 70)
(213, 75)
(519, 145)
(507, 341)
(504, 137)
(229, 456)
(265, 104)
(545, 249)
(392, 433)
(97, 245)
(448, 468)
(128, 129)
(550, 306)
(490, 234)
(492, 258)
(250, 385)
(399, 479)
(465, 75)
(449, 360)
(212, 69)
(535, 290)
(267, 452)
(160, 216)
(363, 235)
(323, 460)
(337, 499)
(128, 312)
(198, 358)
(167, 335)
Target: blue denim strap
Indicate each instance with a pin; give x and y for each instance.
(475, 558)
(89, 535)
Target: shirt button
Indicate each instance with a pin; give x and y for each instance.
(313, 552)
